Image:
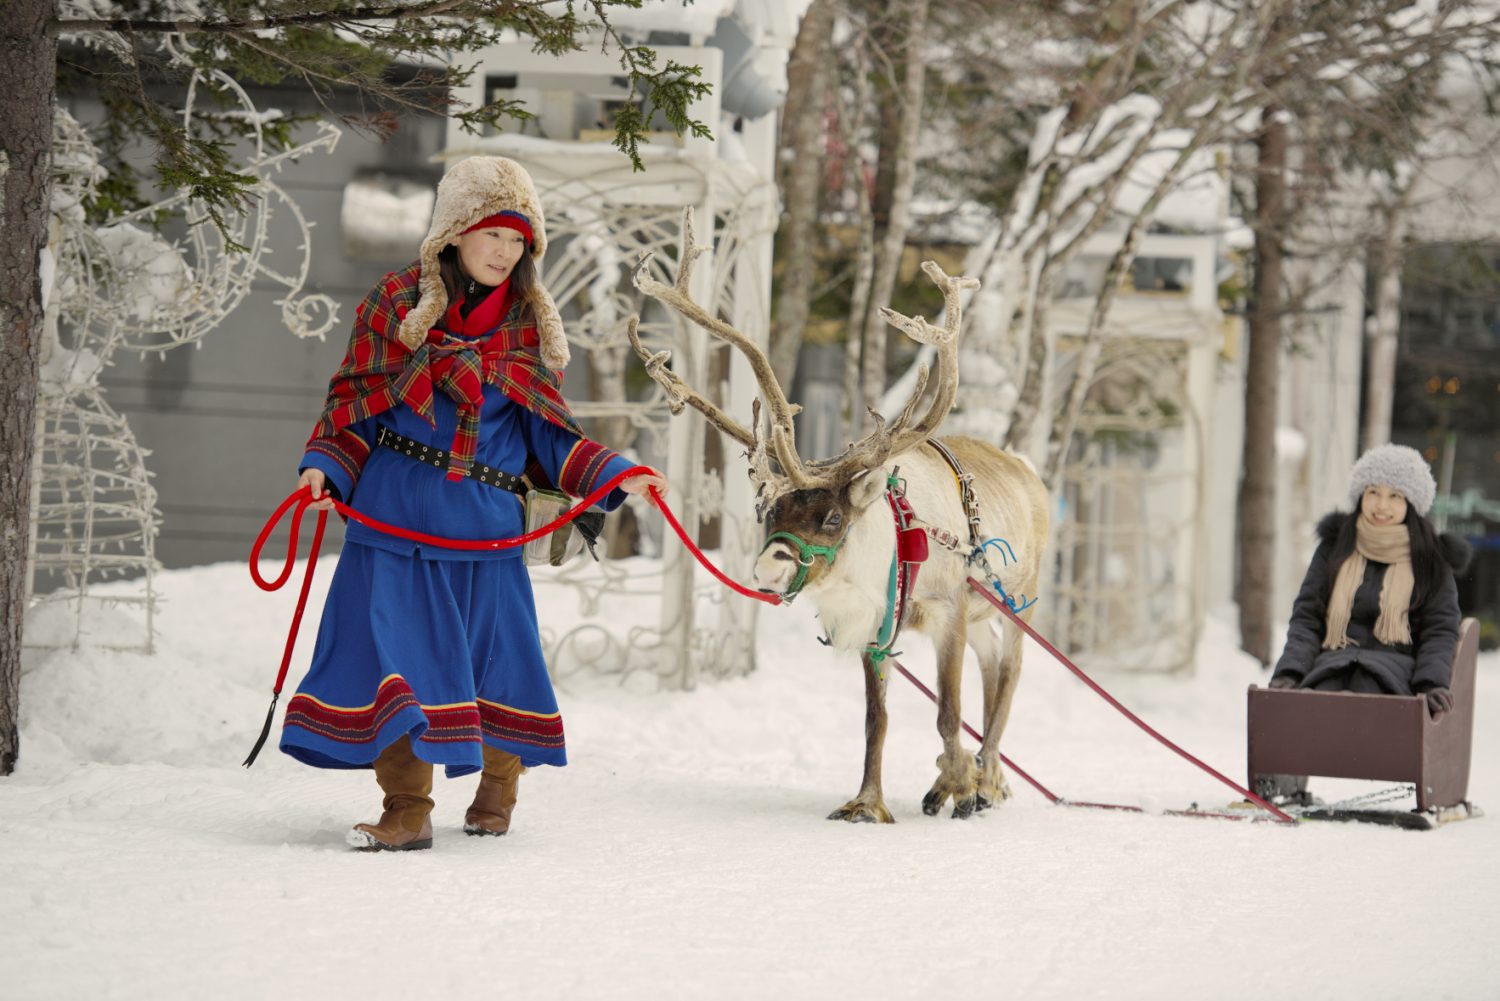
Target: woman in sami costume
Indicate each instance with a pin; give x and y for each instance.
(449, 394)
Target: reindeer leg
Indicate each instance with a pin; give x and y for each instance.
(869, 805)
(993, 788)
(956, 771)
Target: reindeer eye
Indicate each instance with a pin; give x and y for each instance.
(832, 521)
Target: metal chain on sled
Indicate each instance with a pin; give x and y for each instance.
(1390, 794)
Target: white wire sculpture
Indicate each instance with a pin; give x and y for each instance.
(600, 224)
(125, 286)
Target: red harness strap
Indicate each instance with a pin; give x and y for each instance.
(911, 553)
(911, 550)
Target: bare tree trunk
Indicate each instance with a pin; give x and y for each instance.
(903, 174)
(850, 119)
(1380, 380)
(1257, 500)
(1093, 335)
(1029, 401)
(802, 130)
(28, 76)
(1061, 435)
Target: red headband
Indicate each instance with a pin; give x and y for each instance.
(506, 219)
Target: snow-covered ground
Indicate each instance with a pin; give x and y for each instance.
(684, 852)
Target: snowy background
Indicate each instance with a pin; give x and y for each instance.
(684, 853)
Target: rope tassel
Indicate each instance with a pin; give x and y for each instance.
(265, 731)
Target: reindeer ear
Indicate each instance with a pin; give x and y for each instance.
(865, 487)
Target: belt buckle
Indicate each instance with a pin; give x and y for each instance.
(380, 435)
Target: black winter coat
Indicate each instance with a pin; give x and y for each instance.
(1402, 669)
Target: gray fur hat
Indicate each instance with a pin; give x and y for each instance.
(1399, 467)
(473, 189)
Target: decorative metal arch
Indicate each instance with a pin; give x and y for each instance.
(1126, 591)
(601, 220)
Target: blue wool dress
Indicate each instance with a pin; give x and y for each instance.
(438, 644)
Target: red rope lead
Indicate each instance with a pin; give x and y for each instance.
(666, 512)
(1058, 800)
(1051, 797)
(302, 499)
(1062, 659)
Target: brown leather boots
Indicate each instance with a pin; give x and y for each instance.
(406, 781)
(496, 796)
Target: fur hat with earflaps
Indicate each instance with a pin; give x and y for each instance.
(475, 189)
(1399, 467)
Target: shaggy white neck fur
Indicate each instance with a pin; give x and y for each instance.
(851, 597)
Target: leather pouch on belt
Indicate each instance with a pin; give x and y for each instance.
(543, 507)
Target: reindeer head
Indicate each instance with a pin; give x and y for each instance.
(806, 529)
(808, 507)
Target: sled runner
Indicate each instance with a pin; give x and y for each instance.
(1411, 820)
(1356, 736)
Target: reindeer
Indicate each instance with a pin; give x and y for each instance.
(829, 534)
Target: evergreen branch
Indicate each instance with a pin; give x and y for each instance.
(392, 13)
(670, 90)
(312, 78)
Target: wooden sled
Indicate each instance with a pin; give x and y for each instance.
(1355, 736)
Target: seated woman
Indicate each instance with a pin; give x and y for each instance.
(1378, 608)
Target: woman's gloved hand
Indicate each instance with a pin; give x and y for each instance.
(1439, 701)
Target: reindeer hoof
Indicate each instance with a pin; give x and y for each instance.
(965, 808)
(855, 812)
(991, 794)
(933, 802)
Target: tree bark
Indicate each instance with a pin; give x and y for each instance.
(903, 178)
(1031, 323)
(851, 118)
(1257, 500)
(1385, 325)
(807, 82)
(28, 73)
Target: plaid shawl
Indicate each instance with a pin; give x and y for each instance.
(379, 372)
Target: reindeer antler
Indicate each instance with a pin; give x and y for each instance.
(782, 438)
(680, 393)
(780, 442)
(902, 435)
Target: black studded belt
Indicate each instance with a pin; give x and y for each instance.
(438, 458)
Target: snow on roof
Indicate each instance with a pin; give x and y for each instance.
(693, 17)
(771, 23)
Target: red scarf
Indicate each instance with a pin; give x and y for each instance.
(496, 347)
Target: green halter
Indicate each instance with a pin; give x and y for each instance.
(806, 553)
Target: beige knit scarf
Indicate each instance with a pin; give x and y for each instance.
(1389, 544)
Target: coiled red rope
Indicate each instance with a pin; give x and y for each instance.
(301, 499)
